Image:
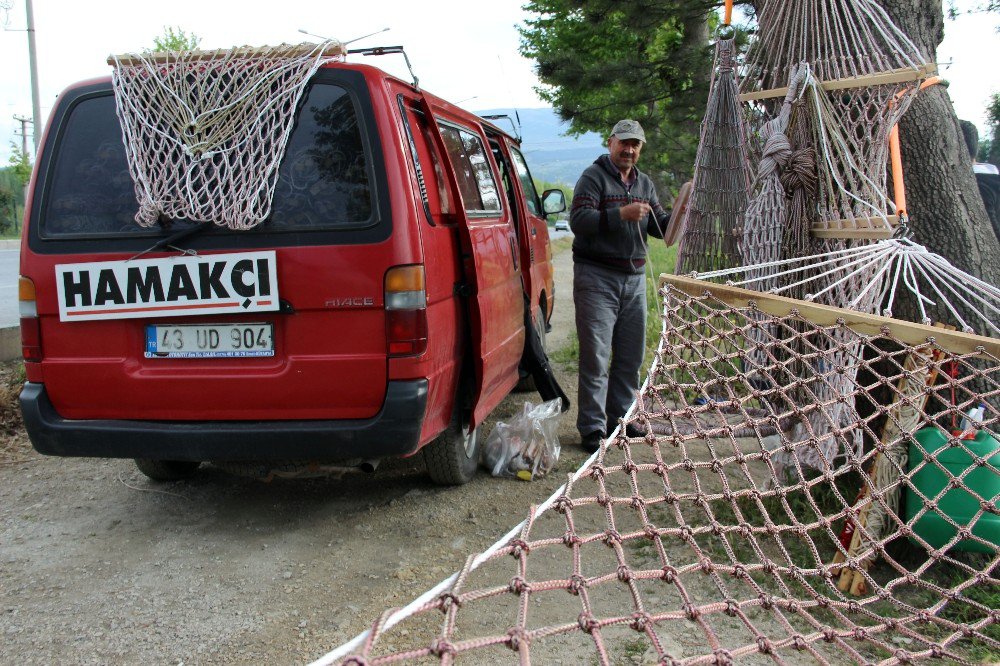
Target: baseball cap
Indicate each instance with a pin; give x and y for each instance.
(628, 129)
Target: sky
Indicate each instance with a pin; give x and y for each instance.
(459, 50)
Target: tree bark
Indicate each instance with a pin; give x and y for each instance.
(947, 214)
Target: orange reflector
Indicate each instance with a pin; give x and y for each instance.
(25, 289)
(404, 278)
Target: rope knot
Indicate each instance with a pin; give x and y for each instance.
(587, 622)
(800, 173)
(563, 504)
(518, 585)
(640, 621)
(723, 657)
(447, 600)
(440, 647)
(612, 538)
(576, 583)
(519, 546)
(571, 539)
(515, 637)
(775, 156)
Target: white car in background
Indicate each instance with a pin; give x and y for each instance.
(562, 225)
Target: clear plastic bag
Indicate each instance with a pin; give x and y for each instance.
(527, 447)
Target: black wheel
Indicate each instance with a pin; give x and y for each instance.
(452, 458)
(526, 382)
(167, 470)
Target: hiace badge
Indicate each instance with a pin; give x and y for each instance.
(169, 287)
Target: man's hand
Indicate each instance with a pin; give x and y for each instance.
(635, 212)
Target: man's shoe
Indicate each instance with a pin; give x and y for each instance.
(591, 441)
(634, 430)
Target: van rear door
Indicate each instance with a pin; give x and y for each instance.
(331, 237)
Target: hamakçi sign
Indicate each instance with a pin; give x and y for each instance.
(170, 287)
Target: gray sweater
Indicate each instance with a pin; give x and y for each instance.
(601, 237)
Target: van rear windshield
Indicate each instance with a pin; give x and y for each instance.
(324, 179)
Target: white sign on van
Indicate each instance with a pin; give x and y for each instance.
(169, 287)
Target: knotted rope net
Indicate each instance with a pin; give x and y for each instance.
(689, 543)
(205, 131)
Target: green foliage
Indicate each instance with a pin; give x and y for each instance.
(989, 151)
(8, 210)
(660, 259)
(20, 164)
(649, 60)
(175, 39)
(543, 185)
(983, 6)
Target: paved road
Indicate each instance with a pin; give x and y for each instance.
(8, 287)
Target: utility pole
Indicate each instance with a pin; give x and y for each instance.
(24, 132)
(36, 113)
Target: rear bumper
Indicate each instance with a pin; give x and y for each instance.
(394, 431)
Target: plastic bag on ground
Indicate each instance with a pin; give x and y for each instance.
(528, 447)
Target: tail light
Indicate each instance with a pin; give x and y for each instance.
(31, 334)
(405, 311)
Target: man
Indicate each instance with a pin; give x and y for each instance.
(614, 208)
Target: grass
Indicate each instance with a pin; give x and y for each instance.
(661, 259)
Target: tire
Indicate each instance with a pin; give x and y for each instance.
(167, 470)
(453, 458)
(526, 382)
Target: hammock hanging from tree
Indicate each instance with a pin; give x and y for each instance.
(713, 220)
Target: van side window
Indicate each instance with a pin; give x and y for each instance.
(426, 163)
(323, 180)
(527, 184)
(472, 170)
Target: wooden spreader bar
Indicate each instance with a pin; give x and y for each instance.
(954, 342)
(893, 76)
(873, 228)
(286, 51)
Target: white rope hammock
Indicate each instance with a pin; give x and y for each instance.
(205, 131)
(898, 264)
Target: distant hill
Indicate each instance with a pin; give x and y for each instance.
(552, 156)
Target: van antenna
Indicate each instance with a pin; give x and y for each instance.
(350, 41)
(503, 75)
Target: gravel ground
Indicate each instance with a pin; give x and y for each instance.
(100, 565)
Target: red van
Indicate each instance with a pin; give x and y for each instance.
(378, 311)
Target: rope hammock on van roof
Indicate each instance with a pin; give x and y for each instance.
(205, 131)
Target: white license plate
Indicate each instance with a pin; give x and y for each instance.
(209, 340)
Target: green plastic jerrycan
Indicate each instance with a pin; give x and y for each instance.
(958, 504)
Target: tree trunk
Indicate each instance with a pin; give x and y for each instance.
(947, 214)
